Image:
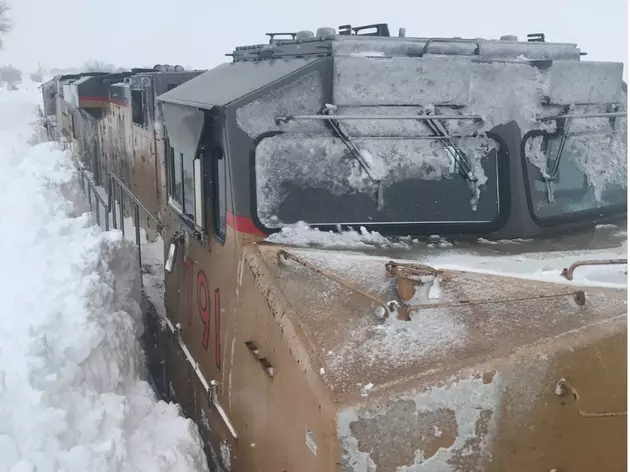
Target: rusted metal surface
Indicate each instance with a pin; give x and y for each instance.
(411, 271)
(564, 388)
(578, 296)
(568, 272)
(387, 307)
(408, 278)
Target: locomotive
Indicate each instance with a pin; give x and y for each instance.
(303, 359)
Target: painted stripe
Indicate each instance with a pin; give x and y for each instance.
(122, 102)
(242, 224)
(93, 99)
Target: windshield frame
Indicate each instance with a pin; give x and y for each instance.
(596, 214)
(404, 229)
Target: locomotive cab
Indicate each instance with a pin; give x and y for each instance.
(322, 360)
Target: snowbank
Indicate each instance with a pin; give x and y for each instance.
(71, 394)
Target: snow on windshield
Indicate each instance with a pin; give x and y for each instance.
(287, 163)
(71, 394)
(499, 92)
(593, 146)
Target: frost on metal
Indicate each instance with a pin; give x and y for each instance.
(301, 234)
(323, 162)
(488, 49)
(302, 97)
(445, 428)
(400, 81)
(573, 82)
(226, 455)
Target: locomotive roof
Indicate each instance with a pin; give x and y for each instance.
(242, 77)
(256, 66)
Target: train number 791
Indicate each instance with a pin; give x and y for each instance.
(204, 309)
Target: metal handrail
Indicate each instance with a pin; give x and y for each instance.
(109, 207)
(476, 42)
(132, 197)
(91, 187)
(284, 119)
(586, 115)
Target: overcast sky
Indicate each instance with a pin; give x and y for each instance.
(197, 33)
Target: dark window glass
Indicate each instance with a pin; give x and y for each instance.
(571, 173)
(75, 134)
(219, 193)
(177, 184)
(137, 107)
(318, 179)
(188, 186)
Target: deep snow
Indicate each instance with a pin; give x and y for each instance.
(72, 396)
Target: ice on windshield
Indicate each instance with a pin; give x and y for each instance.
(408, 180)
(582, 166)
(389, 155)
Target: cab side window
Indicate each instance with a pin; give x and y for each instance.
(184, 188)
(197, 184)
(219, 200)
(175, 187)
(137, 107)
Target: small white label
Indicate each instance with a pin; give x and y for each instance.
(310, 442)
(168, 267)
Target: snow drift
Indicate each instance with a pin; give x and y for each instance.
(72, 396)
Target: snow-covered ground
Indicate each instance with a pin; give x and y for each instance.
(72, 396)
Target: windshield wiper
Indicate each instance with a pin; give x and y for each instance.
(551, 177)
(439, 130)
(341, 133)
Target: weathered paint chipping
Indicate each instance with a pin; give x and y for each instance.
(376, 438)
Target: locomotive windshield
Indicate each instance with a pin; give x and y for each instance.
(579, 168)
(376, 180)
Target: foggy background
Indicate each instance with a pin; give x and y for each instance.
(198, 33)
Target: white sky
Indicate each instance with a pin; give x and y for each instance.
(197, 33)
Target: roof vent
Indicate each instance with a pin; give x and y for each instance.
(536, 37)
(325, 31)
(508, 37)
(305, 34)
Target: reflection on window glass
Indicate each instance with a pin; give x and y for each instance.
(176, 186)
(591, 173)
(189, 186)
